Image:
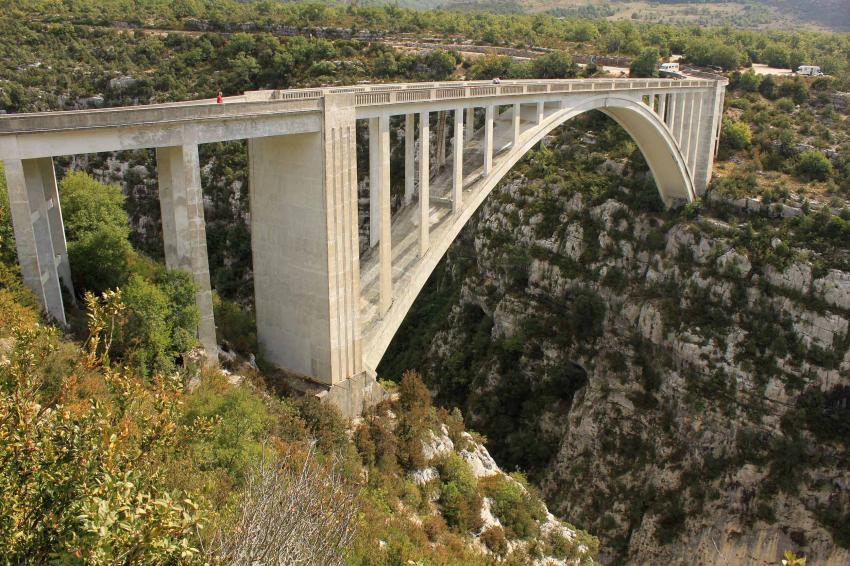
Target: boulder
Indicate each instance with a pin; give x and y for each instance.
(834, 288)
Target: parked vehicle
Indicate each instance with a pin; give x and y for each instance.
(810, 70)
(669, 67)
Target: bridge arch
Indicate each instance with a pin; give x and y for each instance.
(652, 136)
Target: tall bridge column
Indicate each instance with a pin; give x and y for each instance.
(707, 136)
(488, 139)
(374, 184)
(424, 184)
(37, 220)
(184, 233)
(457, 166)
(470, 124)
(409, 156)
(385, 246)
(516, 125)
(662, 106)
(304, 240)
(540, 112)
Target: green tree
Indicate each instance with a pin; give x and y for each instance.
(555, 65)
(88, 204)
(100, 259)
(749, 81)
(646, 65)
(440, 64)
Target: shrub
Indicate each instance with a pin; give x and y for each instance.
(494, 539)
(736, 135)
(517, 508)
(814, 165)
(161, 321)
(238, 419)
(77, 480)
(459, 498)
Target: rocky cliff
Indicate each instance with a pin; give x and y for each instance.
(675, 382)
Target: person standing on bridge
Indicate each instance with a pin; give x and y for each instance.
(219, 99)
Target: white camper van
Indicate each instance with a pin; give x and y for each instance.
(810, 70)
(669, 67)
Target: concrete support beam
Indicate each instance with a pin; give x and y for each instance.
(374, 184)
(687, 126)
(672, 113)
(681, 113)
(662, 107)
(541, 108)
(516, 124)
(29, 182)
(694, 131)
(304, 241)
(488, 139)
(385, 246)
(57, 229)
(424, 185)
(470, 125)
(409, 157)
(184, 233)
(707, 136)
(457, 166)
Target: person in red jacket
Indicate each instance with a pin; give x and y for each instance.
(219, 99)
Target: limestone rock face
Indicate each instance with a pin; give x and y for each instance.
(669, 450)
(834, 288)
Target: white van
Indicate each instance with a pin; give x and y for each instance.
(810, 70)
(669, 67)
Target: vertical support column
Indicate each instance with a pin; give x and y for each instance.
(516, 124)
(28, 182)
(374, 184)
(57, 224)
(424, 184)
(409, 157)
(385, 246)
(681, 112)
(706, 139)
(304, 240)
(470, 124)
(694, 131)
(540, 112)
(685, 140)
(488, 139)
(182, 205)
(441, 139)
(662, 107)
(457, 172)
(672, 113)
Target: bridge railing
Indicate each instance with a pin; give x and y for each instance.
(380, 94)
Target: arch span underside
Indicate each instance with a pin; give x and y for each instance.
(410, 272)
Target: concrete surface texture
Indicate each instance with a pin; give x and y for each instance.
(323, 311)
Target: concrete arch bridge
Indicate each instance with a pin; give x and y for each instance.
(323, 311)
